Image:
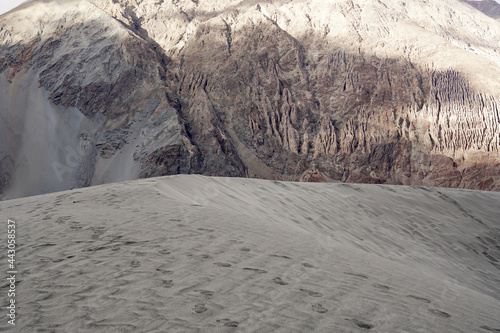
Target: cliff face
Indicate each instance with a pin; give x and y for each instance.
(357, 91)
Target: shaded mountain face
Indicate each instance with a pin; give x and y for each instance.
(489, 7)
(96, 91)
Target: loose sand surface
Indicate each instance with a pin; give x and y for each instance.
(200, 254)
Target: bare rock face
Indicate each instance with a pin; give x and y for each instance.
(358, 91)
(315, 176)
(489, 7)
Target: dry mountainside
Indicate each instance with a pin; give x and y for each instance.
(489, 7)
(388, 91)
(204, 254)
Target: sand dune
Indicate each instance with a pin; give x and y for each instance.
(199, 254)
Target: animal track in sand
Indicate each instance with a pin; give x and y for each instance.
(199, 308)
(222, 264)
(262, 271)
(312, 293)
(279, 281)
(439, 313)
(228, 322)
(425, 300)
(360, 324)
(319, 308)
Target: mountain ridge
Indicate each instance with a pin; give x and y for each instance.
(489, 7)
(270, 89)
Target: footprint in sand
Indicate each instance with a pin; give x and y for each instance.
(164, 271)
(439, 313)
(278, 256)
(222, 264)
(319, 308)
(205, 292)
(357, 275)
(381, 286)
(94, 249)
(167, 284)
(360, 324)
(49, 244)
(279, 281)
(255, 270)
(63, 219)
(228, 322)
(312, 293)
(199, 308)
(75, 226)
(421, 299)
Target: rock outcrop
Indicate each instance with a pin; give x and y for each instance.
(358, 91)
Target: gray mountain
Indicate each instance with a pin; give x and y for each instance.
(97, 91)
(489, 7)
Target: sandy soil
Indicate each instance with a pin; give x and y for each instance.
(199, 254)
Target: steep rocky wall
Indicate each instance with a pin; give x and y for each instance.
(356, 117)
(275, 89)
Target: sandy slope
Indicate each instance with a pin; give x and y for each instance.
(198, 254)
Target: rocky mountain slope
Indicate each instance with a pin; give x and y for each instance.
(489, 7)
(359, 91)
